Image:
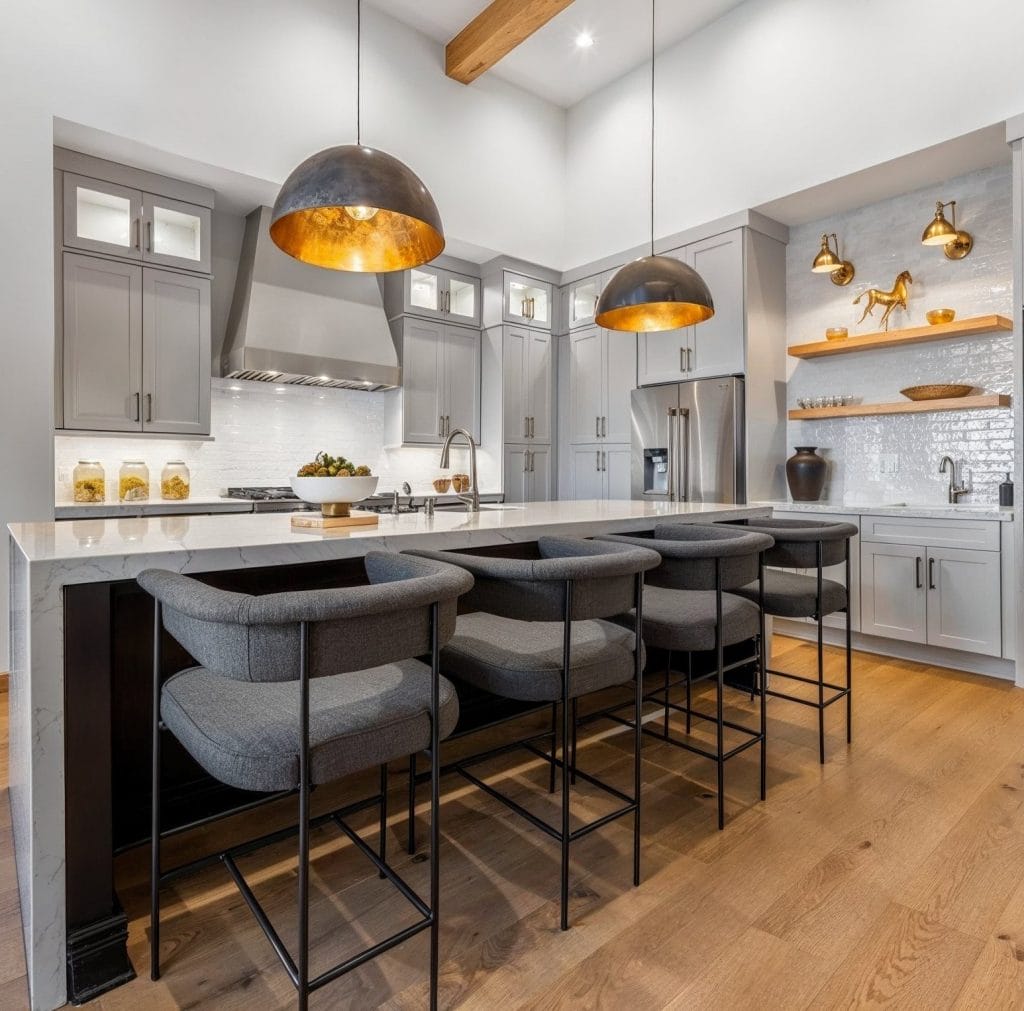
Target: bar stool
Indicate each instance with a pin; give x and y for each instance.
(688, 608)
(538, 633)
(808, 544)
(299, 689)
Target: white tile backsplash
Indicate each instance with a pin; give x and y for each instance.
(263, 432)
(881, 240)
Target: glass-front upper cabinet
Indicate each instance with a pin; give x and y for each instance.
(108, 218)
(583, 296)
(528, 301)
(442, 294)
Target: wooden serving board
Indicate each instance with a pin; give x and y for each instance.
(317, 521)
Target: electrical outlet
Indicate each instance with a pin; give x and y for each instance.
(888, 463)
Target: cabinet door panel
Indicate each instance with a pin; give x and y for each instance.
(177, 234)
(102, 363)
(424, 291)
(423, 381)
(175, 352)
(528, 301)
(462, 299)
(892, 603)
(539, 479)
(718, 343)
(586, 385)
(616, 472)
(619, 382)
(587, 477)
(661, 357)
(515, 474)
(583, 296)
(964, 600)
(102, 216)
(514, 368)
(462, 376)
(539, 379)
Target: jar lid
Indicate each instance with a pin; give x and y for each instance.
(175, 463)
(90, 463)
(133, 463)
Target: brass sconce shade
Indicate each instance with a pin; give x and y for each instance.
(356, 208)
(654, 293)
(828, 262)
(956, 244)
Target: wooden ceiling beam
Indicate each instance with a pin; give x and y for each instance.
(494, 33)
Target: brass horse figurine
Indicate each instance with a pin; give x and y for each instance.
(890, 299)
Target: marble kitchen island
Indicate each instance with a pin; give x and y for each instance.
(80, 683)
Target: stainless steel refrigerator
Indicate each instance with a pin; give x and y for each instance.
(688, 442)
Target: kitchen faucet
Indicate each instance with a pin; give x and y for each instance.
(472, 500)
(947, 465)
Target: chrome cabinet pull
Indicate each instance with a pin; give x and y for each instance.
(597, 460)
(138, 415)
(597, 426)
(440, 425)
(931, 574)
(689, 359)
(526, 461)
(149, 407)
(138, 235)
(682, 359)
(533, 427)
(447, 424)
(604, 427)
(533, 460)
(149, 236)
(526, 426)
(917, 573)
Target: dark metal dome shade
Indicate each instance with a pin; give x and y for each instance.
(654, 293)
(355, 208)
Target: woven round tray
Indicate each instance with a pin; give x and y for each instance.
(937, 391)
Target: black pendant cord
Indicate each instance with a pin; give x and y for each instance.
(359, 71)
(652, 127)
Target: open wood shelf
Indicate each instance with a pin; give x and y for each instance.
(984, 401)
(971, 327)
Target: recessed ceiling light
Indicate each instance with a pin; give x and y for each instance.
(584, 40)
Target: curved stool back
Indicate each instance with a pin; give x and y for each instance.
(376, 702)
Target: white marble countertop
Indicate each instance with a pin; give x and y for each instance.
(937, 511)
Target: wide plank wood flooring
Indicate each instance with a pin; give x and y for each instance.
(892, 875)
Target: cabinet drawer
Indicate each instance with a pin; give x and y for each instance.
(982, 535)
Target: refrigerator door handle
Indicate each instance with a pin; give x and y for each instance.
(671, 482)
(682, 449)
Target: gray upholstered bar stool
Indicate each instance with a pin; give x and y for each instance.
(688, 608)
(538, 632)
(808, 544)
(299, 689)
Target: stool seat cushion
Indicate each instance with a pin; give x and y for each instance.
(523, 659)
(246, 734)
(685, 619)
(792, 594)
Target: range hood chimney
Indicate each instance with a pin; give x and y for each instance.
(293, 323)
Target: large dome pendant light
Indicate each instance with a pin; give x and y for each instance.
(654, 292)
(356, 208)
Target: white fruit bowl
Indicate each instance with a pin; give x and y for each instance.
(334, 494)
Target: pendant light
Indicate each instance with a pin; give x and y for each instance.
(654, 292)
(355, 208)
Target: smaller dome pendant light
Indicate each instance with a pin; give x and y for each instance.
(355, 208)
(654, 292)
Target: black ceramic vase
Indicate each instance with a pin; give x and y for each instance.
(805, 473)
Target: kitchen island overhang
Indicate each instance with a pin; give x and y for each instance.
(75, 933)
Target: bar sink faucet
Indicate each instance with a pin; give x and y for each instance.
(472, 500)
(948, 465)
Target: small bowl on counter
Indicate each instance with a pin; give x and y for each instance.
(936, 317)
(334, 495)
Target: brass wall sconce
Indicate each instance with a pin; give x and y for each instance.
(829, 262)
(955, 244)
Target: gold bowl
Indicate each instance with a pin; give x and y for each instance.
(836, 333)
(936, 391)
(938, 316)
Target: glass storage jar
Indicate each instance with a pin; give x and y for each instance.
(175, 480)
(90, 481)
(133, 481)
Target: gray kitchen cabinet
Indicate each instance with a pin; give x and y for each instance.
(440, 380)
(527, 301)
(617, 472)
(175, 352)
(582, 300)
(964, 600)
(600, 472)
(717, 346)
(102, 353)
(527, 473)
(602, 367)
(106, 217)
(442, 294)
(527, 380)
(894, 601)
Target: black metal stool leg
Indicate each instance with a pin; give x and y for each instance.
(668, 673)
(410, 846)
(566, 668)
(720, 659)
(763, 679)
(689, 687)
(554, 748)
(638, 734)
(304, 771)
(154, 858)
(849, 654)
(435, 804)
(821, 664)
(572, 757)
(383, 816)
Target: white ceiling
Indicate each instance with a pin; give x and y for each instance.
(549, 63)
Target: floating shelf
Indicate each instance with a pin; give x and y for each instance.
(971, 327)
(985, 401)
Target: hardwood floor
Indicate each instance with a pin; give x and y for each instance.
(892, 875)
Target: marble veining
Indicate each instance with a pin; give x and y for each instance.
(999, 514)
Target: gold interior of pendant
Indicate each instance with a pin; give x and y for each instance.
(648, 317)
(330, 237)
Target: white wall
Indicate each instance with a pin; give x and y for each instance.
(881, 240)
(778, 96)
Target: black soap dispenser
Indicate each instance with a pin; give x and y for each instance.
(1006, 491)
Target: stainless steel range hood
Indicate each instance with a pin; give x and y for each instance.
(293, 323)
